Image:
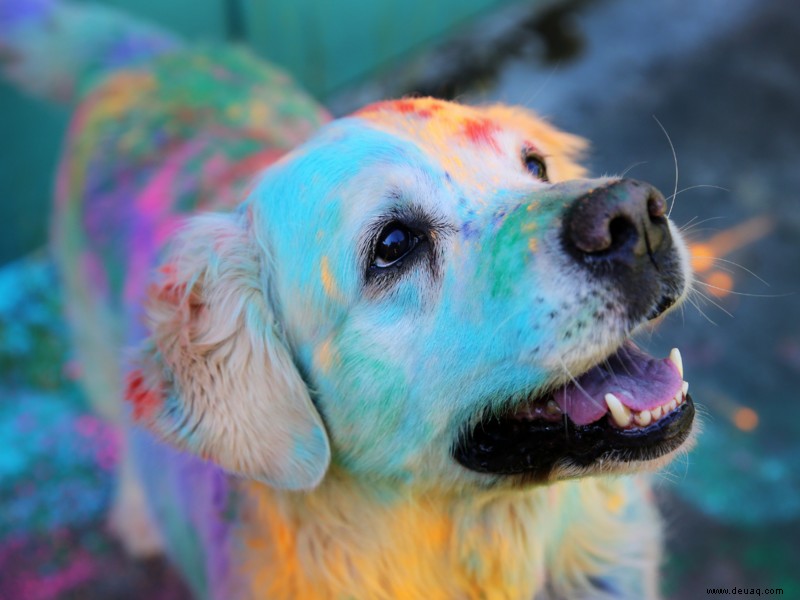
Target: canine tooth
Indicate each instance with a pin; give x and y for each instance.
(678, 397)
(643, 418)
(675, 357)
(552, 408)
(620, 412)
(656, 413)
(685, 387)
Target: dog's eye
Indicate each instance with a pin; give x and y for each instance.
(395, 241)
(535, 165)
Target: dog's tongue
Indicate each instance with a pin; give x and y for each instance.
(640, 381)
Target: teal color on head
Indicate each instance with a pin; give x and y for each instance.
(509, 250)
(377, 383)
(416, 361)
(322, 193)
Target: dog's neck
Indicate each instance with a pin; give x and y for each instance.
(344, 540)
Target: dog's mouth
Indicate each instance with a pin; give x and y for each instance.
(630, 407)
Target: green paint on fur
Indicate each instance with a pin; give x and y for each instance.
(509, 252)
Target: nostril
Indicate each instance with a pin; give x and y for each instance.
(623, 233)
(656, 206)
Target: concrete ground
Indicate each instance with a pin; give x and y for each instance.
(723, 78)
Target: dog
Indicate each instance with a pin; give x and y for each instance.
(384, 356)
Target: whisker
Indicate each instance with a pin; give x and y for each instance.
(718, 268)
(708, 298)
(745, 269)
(584, 392)
(691, 301)
(689, 222)
(714, 287)
(675, 159)
(608, 368)
(633, 166)
(699, 185)
(686, 227)
(623, 350)
(543, 85)
(575, 382)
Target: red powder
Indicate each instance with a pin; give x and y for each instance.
(145, 401)
(401, 106)
(531, 148)
(481, 131)
(170, 291)
(423, 108)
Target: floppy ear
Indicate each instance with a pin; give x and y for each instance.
(216, 377)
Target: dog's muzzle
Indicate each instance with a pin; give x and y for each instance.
(628, 407)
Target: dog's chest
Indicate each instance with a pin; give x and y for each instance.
(513, 547)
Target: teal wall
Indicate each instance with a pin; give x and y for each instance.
(331, 44)
(326, 44)
(30, 136)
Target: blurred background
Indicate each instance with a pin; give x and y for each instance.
(717, 80)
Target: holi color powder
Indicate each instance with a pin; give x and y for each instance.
(56, 461)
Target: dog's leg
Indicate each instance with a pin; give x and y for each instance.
(636, 573)
(129, 519)
(96, 339)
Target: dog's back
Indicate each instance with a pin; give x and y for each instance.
(181, 133)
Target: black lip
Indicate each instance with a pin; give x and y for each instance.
(509, 446)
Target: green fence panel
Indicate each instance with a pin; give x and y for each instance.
(329, 44)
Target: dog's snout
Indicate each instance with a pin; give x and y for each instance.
(620, 222)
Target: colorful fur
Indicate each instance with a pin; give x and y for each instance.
(310, 414)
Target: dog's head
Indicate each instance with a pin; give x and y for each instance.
(427, 293)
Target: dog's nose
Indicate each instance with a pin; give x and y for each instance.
(623, 222)
(620, 233)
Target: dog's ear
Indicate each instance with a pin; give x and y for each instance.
(216, 376)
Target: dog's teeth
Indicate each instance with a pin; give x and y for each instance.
(552, 408)
(685, 387)
(670, 406)
(675, 357)
(620, 412)
(656, 413)
(643, 418)
(678, 397)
